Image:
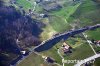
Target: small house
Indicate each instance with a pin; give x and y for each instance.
(66, 48)
(48, 59)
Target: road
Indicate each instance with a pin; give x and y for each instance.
(54, 37)
(62, 58)
(87, 59)
(90, 58)
(49, 43)
(89, 43)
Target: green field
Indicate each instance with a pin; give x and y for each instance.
(33, 60)
(79, 53)
(48, 31)
(58, 20)
(95, 34)
(53, 53)
(25, 4)
(75, 42)
(86, 14)
(59, 24)
(97, 62)
(65, 12)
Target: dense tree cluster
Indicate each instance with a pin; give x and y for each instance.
(16, 32)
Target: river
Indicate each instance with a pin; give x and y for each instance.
(49, 43)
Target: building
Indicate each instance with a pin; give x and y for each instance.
(48, 59)
(98, 43)
(66, 48)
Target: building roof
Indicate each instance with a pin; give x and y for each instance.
(98, 41)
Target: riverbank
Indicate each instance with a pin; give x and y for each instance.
(49, 43)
